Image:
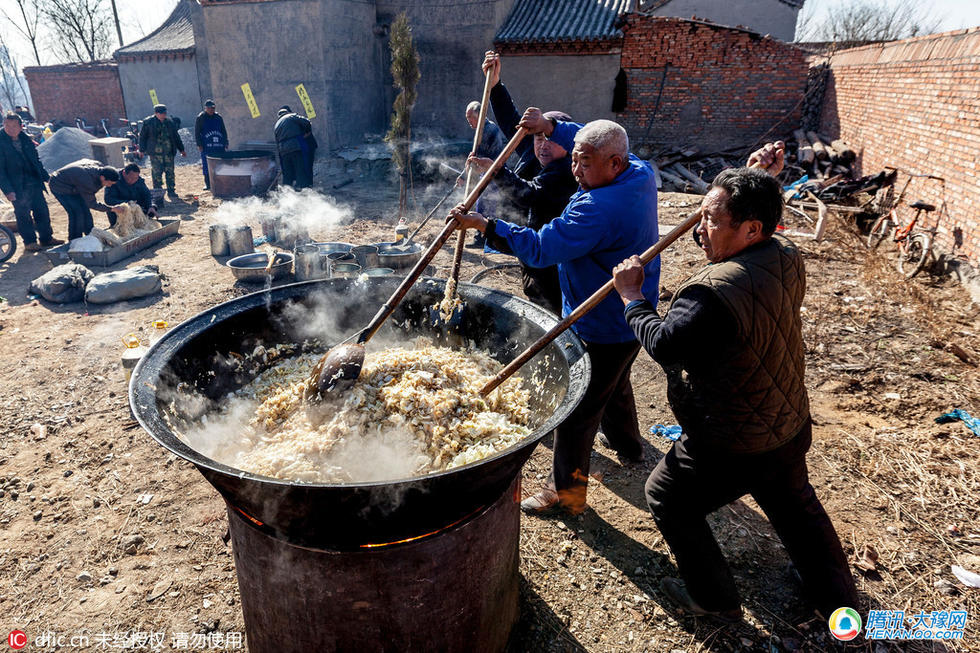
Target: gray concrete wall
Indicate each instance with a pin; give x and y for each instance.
(580, 85)
(175, 82)
(763, 16)
(451, 39)
(326, 45)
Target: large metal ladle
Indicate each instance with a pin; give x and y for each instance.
(339, 368)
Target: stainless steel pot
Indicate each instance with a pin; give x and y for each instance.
(251, 267)
(366, 255)
(218, 233)
(240, 240)
(391, 255)
(310, 263)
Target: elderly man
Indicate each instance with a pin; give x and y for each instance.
(536, 191)
(491, 144)
(75, 186)
(732, 349)
(22, 177)
(159, 139)
(130, 187)
(614, 213)
(210, 136)
(297, 146)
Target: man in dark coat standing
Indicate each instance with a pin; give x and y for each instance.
(210, 135)
(130, 188)
(22, 177)
(159, 139)
(731, 345)
(75, 186)
(297, 147)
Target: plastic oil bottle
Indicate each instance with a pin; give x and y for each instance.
(401, 230)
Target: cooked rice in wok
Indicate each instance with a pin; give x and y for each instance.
(426, 399)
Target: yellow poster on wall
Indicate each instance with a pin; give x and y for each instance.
(304, 97)
(153, 97)
(253, 107)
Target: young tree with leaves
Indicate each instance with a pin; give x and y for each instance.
(405, 73)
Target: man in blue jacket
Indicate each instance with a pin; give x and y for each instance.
(210, 136)
(614, 213)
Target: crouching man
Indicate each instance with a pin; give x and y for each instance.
(732, 349)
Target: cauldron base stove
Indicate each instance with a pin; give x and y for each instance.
(454, 590)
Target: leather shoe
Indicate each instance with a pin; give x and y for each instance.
(32, 247)
(604, 441)
(676, 591)
(547, 502)
(54, 242)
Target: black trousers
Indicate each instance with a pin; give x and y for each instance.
(688, 483)
(30, 201)
(80, 220)
(608, 401)
(541, 287)
(296, 171)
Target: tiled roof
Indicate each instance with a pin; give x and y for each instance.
(653, 5)
(175, 36)
(538, 21)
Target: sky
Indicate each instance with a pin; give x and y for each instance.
(136, 17)
(955, 14)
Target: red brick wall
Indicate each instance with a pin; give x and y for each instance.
(89, 91)
(725, 87)
(915, 105)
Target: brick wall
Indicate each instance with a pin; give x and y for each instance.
(89, 91)
(724, 87)
(914, 105)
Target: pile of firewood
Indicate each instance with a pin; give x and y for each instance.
(820, 157)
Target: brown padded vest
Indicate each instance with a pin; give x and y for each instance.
(756, 400)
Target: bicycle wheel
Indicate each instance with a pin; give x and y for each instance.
(879, 231)
(914, 258)
(8, 243)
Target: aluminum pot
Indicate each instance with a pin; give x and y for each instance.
(366, 255)
(343, 270)
(251, 267)
(194, 359)
(329, 247)
(310, 263)
(218, 234)
(240, 240)
(378, 272)
(391, 255)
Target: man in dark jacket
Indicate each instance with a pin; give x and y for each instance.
(130, 187)
(22, 177)
(491, 144)
(297, 147)
(535, 191)
(75, 186)
(210, 135)
(732, 348)
(159, 139)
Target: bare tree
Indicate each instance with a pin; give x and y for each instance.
(81, 29)
(26, 23)
(868, 20)
(12, 91)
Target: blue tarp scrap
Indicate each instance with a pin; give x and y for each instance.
(671, 432)
(957, 414)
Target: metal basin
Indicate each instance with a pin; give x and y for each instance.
(194, 361)
(251, 267)
(396, 257)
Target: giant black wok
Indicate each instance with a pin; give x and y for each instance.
(201, 359)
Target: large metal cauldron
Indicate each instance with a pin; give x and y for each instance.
(199, 357)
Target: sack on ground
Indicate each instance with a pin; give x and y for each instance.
(110, 287)
(64, 284)
(85, 244)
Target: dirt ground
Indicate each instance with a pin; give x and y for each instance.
(104, 534)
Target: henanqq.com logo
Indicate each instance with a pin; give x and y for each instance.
(845, 624)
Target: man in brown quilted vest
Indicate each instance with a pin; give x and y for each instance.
(732, 349)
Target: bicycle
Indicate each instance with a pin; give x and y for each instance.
(8, 243)
(914, 245)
